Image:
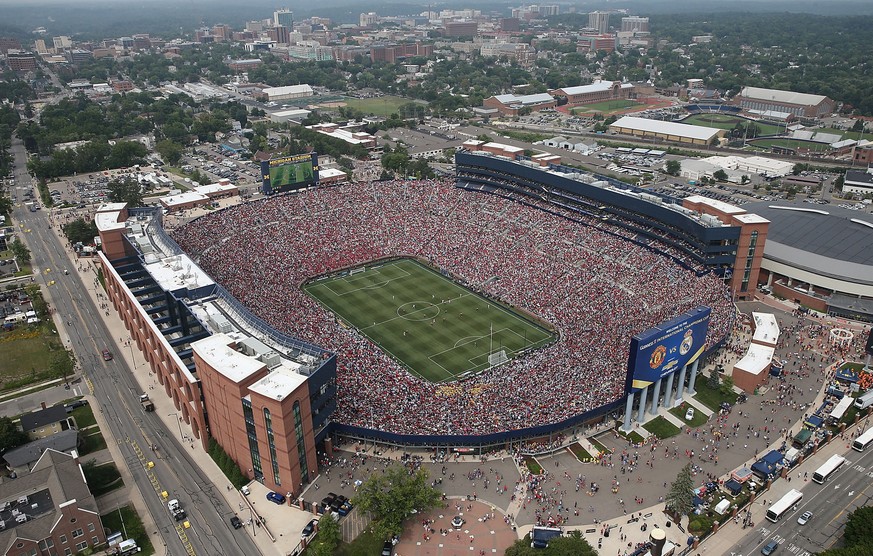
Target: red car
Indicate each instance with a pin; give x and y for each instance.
(107, 355)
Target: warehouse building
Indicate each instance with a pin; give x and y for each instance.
(511, 105)
(668, 131)
(284, 93)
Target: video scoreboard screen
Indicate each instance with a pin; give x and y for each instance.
(666, 348)
(289, 173)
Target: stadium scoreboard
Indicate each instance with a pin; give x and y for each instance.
(661, 350)
(289, 173)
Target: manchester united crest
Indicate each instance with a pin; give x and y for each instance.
(657, 357)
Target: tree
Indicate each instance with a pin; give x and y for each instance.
(680, 498)
(571, 544)
(170, 151)
(393, 495)
(720, 175)
(61, 364)
(20, 251)
(5, 205)
(858, 534)
(713, 381)
(125, 190)
(10, 435)
(80, 231)
(727, 386)
(673, 167)
(329, 531)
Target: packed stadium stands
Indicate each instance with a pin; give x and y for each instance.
(596, 288)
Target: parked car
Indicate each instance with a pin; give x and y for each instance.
(235, 521)
(387, 548)
(275, 497)
(310, 527)
(769, 548)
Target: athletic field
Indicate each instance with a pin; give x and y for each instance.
(438, 329)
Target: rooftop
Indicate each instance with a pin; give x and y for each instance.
(43, 417)
(177, 271)
(592, 88)
(720, 206)
(756, 359)
(216, 352)
(766, 328)
(667, 128)
(279, 384)
(776, 95)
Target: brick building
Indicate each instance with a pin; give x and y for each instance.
(50, 510)
(774, 100)
(596, 92)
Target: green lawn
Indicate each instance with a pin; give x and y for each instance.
(711, 398)
(438, 329)
(698, 419)
(724, 121)
(580, 452)
(132, 524)
(92, 443)
(597, 445)
(533, 465)
(790, 144)
(84, 416)
(26, 355)
(365, 545)
(380, 106)
(102, 478)
(606, 106)
(662, 428)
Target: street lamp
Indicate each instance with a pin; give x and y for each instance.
(178, 422)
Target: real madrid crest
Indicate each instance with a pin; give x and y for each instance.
(687, 342)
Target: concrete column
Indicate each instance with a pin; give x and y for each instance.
(641, 410)
(680, 388)
(691, 391)
(656, 397)
(668, 392)
(628, 409)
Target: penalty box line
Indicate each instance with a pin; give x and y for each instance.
(473, 339)
(350, 280)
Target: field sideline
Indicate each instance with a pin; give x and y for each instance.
(437, 329)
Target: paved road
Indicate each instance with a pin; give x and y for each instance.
(116, 392)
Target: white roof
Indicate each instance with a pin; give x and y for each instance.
(720, 206)
(504, 147)
(668, 128)
(183, 198)
(214, 188)
(291, 113)
(766, 328)
(751, 219)
(756, 360)
(215, 350)
(592, 88)
(538, 98)
(178, 271)
(288, 90)
(279, 384)
(106, 217)
(330, 173)
(789, 97)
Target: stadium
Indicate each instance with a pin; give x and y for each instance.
(471, 311)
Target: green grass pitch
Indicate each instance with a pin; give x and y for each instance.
(438, 329)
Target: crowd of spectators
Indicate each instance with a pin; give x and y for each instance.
(594, 287)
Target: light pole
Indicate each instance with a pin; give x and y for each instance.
(178, 422)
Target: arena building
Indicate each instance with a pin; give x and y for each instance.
(266, 398)
(668, 131)
(819, 256)
(511, 105)
(774, 100)
(599, 91)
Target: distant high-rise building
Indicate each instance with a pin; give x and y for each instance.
(284, 17)
(6, 43)
(510, 24)
(39, 45)
(20, 61)
(62, 42)
(368, 19)
(546, 11)
(280, 34)
(461, 28)
(599, 21)
(635, 23)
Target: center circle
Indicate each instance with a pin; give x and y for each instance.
(418, 311)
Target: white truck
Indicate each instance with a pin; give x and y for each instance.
(176, 510)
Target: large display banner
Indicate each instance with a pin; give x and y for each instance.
(666, 348)
(289, 173)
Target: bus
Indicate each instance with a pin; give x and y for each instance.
(863, 441)
(780, 508)
(829, 468)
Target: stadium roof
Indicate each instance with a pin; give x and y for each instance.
(525, 100)
(788, 97)
(667, 128)
(592, 88)
(827, 240)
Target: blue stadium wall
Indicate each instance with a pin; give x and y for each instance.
(631, 213)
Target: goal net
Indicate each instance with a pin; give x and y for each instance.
(497, 358)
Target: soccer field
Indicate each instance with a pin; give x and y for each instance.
(438, 329)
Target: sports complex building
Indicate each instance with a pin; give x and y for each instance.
(562, 299)
(819, 256)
